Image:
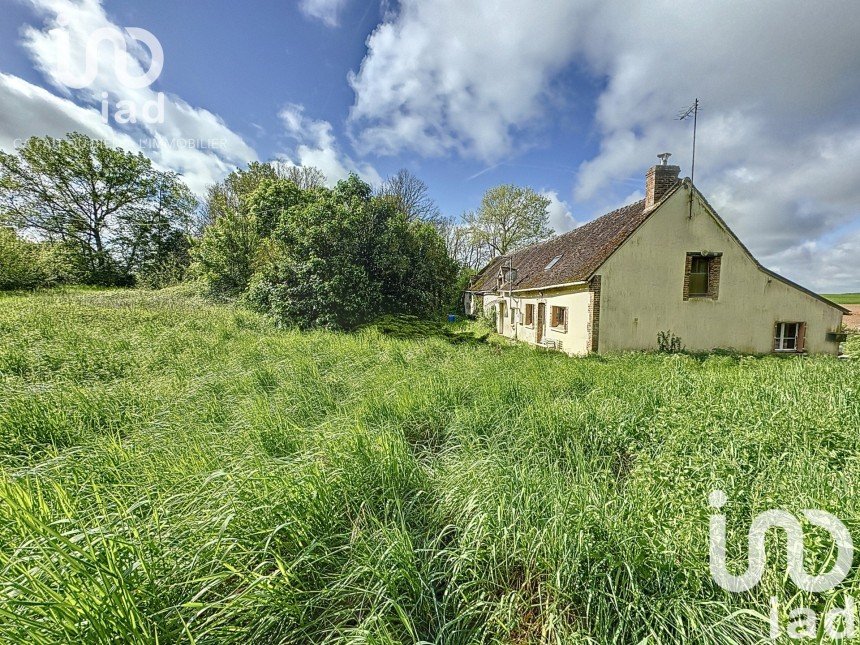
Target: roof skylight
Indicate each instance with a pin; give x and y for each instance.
(552, 262)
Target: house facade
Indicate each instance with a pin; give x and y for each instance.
(667, 264)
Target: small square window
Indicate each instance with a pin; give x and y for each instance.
(789, 337)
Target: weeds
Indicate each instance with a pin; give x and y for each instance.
(179, 472)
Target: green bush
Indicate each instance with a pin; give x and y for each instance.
(20, 265)
(343, 257)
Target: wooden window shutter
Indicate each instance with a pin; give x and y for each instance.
(801, 337)
(565, 319)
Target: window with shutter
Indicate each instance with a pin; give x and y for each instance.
(558, 318)
(789, 337)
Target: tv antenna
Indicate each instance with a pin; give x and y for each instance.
(686, 113)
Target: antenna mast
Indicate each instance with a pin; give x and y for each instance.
(693, 111)
(684, 114)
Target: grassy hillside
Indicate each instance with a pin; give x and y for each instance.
(183, 472)
(844, 298)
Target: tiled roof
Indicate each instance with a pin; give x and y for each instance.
(579, 252)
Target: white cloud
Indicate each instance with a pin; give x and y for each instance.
(827, 268)
(560, 217)
(327, 11)
(29, 110)
(316, 146)
(779, 136)
(191, 141)
(451, 76)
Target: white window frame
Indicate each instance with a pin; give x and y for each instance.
(780, 337)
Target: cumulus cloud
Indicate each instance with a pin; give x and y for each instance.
(779, 130)
(560, 217)
(191, 141)
(326, 11)
(451, 76)
(317, 146)
(828, 268)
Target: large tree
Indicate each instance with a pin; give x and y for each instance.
(112, 207)
(510, 217)
(462, 246)
(410, 195)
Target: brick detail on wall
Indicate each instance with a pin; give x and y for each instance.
(594, 313)
(713, 276)
(658, 181)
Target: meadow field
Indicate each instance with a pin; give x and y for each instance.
(174, 471)
(844, 298)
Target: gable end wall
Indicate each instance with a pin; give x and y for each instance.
(642, 290)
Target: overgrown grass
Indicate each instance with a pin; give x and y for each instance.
(174, 471)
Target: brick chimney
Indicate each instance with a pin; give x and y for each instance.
(659, 179)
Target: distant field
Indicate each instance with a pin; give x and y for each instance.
(844, 298)
(179, 472)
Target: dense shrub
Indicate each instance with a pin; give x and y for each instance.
(343, 257)
(29, 265)
(19, 262)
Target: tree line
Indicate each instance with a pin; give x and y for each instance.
(76, 211)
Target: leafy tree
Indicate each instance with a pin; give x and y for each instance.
(269, 202)
(103, 202)
(345, 257)
(224, 257)
(236, 223)
(25, 264)
(462, 246)
(231, 194)
(510, 217)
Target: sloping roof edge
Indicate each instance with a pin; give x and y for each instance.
(758, 264)
(649, 212)
(495, 262)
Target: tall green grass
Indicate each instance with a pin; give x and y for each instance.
(174, 471)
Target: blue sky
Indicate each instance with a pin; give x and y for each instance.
(573, 98)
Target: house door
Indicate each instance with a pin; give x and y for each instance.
(501, 318)
(541, 319)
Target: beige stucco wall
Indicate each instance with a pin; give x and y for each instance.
(642, 291)
(574, 340)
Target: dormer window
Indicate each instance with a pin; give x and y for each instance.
(552, 263)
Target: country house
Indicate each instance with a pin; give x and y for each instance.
(667, 263)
